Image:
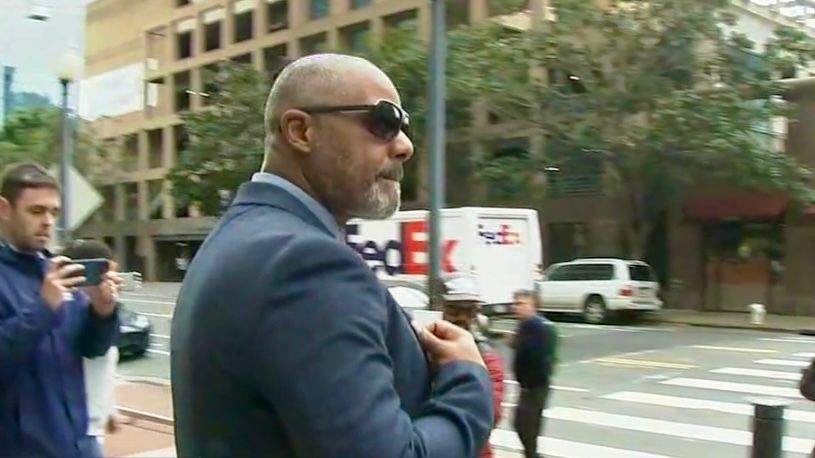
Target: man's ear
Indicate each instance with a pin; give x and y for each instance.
(296, 130)
(5, 209)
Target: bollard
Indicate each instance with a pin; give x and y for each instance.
(757, 314)
(768, 428)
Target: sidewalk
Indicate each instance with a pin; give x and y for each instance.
(738, 320)
(142, 437)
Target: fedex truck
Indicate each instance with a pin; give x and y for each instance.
(500, 248)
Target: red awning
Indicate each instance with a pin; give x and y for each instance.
(744, 205)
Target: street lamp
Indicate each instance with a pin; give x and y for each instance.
(68, 70)
(436, 144)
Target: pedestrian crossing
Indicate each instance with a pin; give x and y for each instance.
(706, 412)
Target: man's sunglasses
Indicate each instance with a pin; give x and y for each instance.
(384, 119)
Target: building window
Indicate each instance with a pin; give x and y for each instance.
(130, 153)
(458, 13)
(355, 38)
(183, 44)
(355, 4)
(181, 83)
(131, 201)
(404, 19)
(210, 87)
(277, 13)
(182, 2)
(213, 26)
(154, 142)
(242, 59)
(314, 44)
(319, 9)
(274, 57)
(244, 25)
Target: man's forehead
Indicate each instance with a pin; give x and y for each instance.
(368, 87)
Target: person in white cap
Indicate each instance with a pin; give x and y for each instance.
(462, 303)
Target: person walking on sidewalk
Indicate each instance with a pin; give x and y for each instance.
(284, 342)
(46, 325)
(535, 357)
(461, 306)
(100, 372)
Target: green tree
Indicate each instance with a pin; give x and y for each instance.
(34, 135)
(653, 94)
(226, 137)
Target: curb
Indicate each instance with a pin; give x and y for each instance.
(741, 327)
(146, 380)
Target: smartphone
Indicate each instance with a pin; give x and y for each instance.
(95, 269)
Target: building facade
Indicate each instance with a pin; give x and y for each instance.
(147, 62)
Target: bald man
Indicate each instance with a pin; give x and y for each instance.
(284, 342)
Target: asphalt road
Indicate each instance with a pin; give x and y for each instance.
(633, 391)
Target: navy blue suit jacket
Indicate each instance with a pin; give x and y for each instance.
(285, 344)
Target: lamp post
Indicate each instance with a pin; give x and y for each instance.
(436, 143)
(68, 71)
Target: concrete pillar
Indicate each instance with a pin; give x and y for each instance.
(197, 86)
(120, 251)
(147, 249)
(423, 17)
(228, 29)
(144, 204)
(479, 11)
(333, 40)
(260, 21)
(120, 202)
(298, 13)
(377, 26)
(143, 145)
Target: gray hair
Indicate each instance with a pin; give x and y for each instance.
(316, 79)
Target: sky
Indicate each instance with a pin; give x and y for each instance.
(35, 47)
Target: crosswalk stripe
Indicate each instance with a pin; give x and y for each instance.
(736, 349)
(670, 428)
(805, 354)
(757, 373)
(782, 362)
(642, 363)
(550, 446)
(702, 404)
(554, 387)
(733, 387)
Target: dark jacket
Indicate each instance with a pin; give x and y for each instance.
(285, 344)
(42, 391)
(535, 352)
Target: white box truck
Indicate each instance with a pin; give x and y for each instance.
(500, 248)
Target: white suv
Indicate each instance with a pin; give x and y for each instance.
(598, 287)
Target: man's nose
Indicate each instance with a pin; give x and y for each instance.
(402, 148)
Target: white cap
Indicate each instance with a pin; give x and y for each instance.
(462, 289)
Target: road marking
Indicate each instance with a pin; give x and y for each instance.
(788, 339)
(671, 428)
(782, 362)
(734, 387)
(599, 327)
(550, 446)
(736, 349)
(160, 336)
(702, 404)
(757, 373)
(805, 354)
(145, 301)
(642, 363)
(554, 387)
(156, 315)
(158, 352)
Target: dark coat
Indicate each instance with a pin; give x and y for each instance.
(285, 344)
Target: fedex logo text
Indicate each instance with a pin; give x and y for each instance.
(505, 235)
(400, 256)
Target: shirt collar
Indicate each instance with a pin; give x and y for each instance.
(311, 203)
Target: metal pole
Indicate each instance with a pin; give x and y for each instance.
(65, 164)
(436, 145)
(768, 428)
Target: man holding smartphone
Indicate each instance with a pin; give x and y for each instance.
(47, 325)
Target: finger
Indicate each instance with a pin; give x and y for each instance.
(430, 342)
(446, 330)
(113, 266)
(69, 269)
(56, 262)
(70, 282)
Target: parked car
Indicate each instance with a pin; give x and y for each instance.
(599, 288)
(134, 332)
(412, 295)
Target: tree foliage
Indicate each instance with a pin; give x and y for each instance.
(225, 138)
(34, 135)
(655, 94)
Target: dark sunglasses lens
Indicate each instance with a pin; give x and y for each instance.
(386, 121)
